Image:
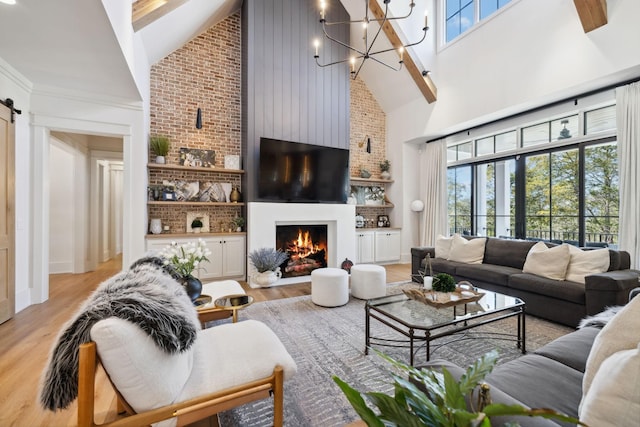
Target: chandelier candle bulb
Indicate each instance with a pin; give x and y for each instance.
(316, 44)
(323, 5)
(426, 19)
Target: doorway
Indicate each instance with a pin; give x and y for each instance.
(7, 214)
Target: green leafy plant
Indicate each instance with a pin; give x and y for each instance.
(159, 144)
(385, 165)
(267, 259)
(237, 222)
(443, 282)
(434, 398)
(196, 223)
(186, 257)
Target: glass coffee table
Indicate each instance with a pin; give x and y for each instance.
(422, 323)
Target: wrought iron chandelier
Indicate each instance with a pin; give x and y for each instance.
(366, 52)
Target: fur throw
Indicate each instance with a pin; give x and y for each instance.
(600, 319)
(149, 295)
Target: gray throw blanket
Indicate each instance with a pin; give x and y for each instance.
(149, 295)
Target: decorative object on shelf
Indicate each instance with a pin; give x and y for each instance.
(199, 119)
(196, 157)
(231, 161)
(364, 173)
(359, 221)
(160, 145)
(267, 263)
(196, 225)
(361, 53)
(203, 217)
(184, 190)
(357, 192)
(385, 166)
(235, 195)
(383, 221)
(447, 398)
(374, 195)
(185, 259)
(154, 192)
(237, 223)
(346, 265)
(155, 226)
(443, 282)
(211, 192)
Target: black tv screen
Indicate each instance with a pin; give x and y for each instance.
(305, 173)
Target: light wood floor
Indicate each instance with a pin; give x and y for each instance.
(25, 342)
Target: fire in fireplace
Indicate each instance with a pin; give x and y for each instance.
(306, 246)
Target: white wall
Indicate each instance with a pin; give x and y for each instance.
(62, 213)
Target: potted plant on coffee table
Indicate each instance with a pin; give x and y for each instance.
(267, 263)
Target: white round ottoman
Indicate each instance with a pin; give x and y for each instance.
(329, 287)
(368, 281)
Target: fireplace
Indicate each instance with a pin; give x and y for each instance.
(264, 218)
(306, 246)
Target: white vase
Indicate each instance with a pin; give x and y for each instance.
(267, 278)
(385, 175)
(156, 226)
(428, 283)
(160, 160)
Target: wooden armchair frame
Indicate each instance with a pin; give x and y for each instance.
(187, 411)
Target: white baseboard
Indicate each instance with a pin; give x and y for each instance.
(60, 267)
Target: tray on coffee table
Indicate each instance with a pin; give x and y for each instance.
(463, 294)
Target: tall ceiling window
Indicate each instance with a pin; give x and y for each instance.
(460, 15)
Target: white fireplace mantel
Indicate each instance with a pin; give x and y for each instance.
(340, 220)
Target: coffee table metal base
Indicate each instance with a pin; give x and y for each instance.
(423, 336)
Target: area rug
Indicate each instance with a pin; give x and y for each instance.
(330, 341)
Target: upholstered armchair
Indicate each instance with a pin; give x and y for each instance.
(227, 365)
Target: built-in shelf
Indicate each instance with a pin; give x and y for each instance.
(159, 166)
(370, 180)
(183, 235)
(170, 203)
(386, 205)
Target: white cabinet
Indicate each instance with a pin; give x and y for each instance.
(387, 246)
(381, 245)
(364, 247)
(227, 257)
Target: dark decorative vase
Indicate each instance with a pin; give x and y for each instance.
(347, 264)
(193, 286)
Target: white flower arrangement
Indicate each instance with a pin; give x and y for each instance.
(186, 257)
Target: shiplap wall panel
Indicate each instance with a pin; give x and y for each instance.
(285, 95)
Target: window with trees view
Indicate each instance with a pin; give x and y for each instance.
(566, 193)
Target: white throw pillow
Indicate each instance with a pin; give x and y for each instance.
(613, 399)
(467, 251)
(443, 246)
(620, 333)
(547, 262)
(584, 263)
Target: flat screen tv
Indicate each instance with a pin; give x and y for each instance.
(303, 173)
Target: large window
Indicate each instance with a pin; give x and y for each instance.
(460, 15)
(565, 191)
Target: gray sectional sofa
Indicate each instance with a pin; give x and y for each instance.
(561, 301)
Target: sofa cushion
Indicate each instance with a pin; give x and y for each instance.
(510, 253)
(443, 246)
(583, 263)
(571, 349)
(620, 333)
(488, 273)
(547, 262)
(440, 265)
(614, 396)
(467, 251)
(540, 382)
(568, 291)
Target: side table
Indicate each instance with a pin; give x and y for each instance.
(234, 303)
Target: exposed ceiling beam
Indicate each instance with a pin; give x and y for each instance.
(592, 13)
(424, 83)
(144, 12)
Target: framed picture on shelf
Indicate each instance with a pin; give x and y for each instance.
(203, 217)
(232, 161)
(198, 158)
(383, 221)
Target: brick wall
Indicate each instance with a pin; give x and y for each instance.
(206, 73)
